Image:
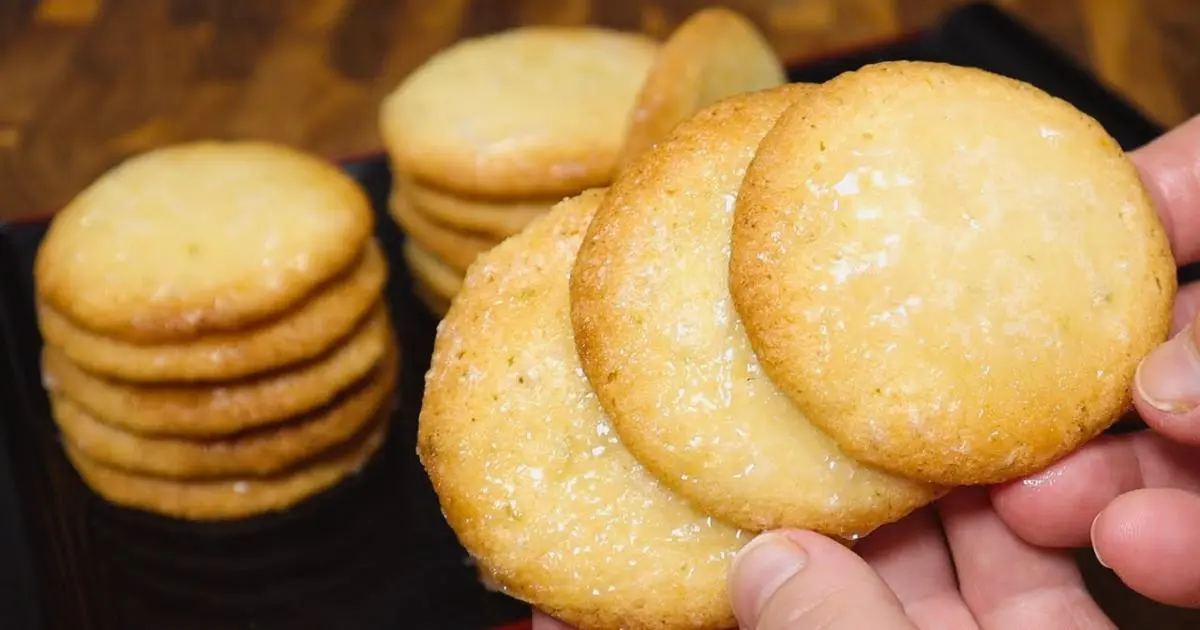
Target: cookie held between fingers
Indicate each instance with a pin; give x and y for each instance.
(229, 499)
(668, 357)
(457, 249)
(953, 274)
(531, 112)
(714, 54)
(212, 410)
(528, 470)
(496, 219)
(262, 452)
(200, 238)
(312, 328)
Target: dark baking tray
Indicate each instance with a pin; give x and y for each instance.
(374, 553)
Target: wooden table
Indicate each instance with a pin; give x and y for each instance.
(85, 83)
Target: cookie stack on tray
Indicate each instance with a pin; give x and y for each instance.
(815, 306)
(217, 343)
(491, 132)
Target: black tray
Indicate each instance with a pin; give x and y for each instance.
(374, 553)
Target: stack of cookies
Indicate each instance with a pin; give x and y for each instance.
(491, 132)
(806, 307)
(216, 341)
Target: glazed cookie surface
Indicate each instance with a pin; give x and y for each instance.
(528, 470)
(951, 273)
(661, 344)
(208, 411)
(228, 499)
(200, 238)
(258, 453)
(530, 112)
(714, 54)
(312, 328)
(493, 218)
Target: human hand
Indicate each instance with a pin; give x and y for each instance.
(1134, 498)
(955, 566)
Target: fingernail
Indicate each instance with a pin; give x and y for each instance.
(760, 569)
(1169, 379)
(1095, 549)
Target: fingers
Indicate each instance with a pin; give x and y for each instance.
(1170, 169)
(542, 621)
(912, 558)
(1056, 508)
(794, 580)
(1167, 388)
(1148, 538)
(1187, 306)
(1005, 582)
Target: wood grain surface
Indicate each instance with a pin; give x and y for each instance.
(85, 83)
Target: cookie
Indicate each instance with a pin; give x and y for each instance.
(200, 238)
(315, 326)
(228, 499)
(669, 359)
(457, 249)
(956, 281)
(208, 411)
(496, 219)
(528, 470)
(714, 54)
(258, 453)
(535, 111)
(442, 281)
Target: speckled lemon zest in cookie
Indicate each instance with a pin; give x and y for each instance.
(529, 472)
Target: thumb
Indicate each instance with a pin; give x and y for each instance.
(791, 580)
(1167, 388)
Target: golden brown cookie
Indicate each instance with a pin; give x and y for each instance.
(314, 327)
(663, 347)
(953, 274)
(714, 54)
(528, 470)
(497, 219)
(457, 249)
(200, 238)
(430, 272)
(258, 453)
(535, 111)
(228, 499)
(220, 409)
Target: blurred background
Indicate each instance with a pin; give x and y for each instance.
(84, 83)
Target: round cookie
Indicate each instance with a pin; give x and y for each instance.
(669, 359)
(430, 272)
(528, 470)
(321, 322)
(259, 453)
(956, 282)
(496, 219)
(534, 111)
(200, 238)
(222, 409)
(228, 499)
(714, 54)
(457, 249)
